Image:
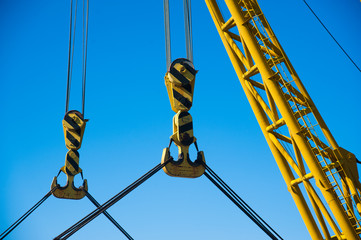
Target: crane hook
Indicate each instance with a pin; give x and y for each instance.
(74, 126)
(183, 138)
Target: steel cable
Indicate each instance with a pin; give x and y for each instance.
(85, 50)
(71, 51)
(339, 45)
(188, 29)
(72, 33)
(22, 218)
(77, 226)
(66, 234)
(240, 203)
(95, 202)
(241, 207)
(235, 195)
(167, 33)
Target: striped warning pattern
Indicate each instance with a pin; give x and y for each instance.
(74, 125)
(180, 84)
(184, 123)
(72, 163)
(182, 73)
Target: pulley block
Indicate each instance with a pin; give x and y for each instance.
(74, 126)
(179, 81)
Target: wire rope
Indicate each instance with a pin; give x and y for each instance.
(23, 217)
(85, 49)
(240, 203)
(69, 54)
(72, 34)
(323, 25)
(71, 51)
(96, 203)
(188, 29)
(91, 216)
(167, 33)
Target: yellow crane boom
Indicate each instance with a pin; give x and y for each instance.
(309, 158)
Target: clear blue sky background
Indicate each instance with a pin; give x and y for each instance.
(131, 119)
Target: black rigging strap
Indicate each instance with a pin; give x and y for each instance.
(91, 216)
(240, 203)
(22, 218)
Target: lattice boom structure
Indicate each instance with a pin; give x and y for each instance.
(308, 156)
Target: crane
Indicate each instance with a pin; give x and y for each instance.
(110, 163)
(306, 153)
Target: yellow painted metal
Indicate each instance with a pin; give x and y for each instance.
(74, 127)
(69, 191)
(183, 167)
(179, 81)
(183, 129)
(290, 120)
(183, 138)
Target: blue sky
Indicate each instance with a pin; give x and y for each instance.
(131, 119)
